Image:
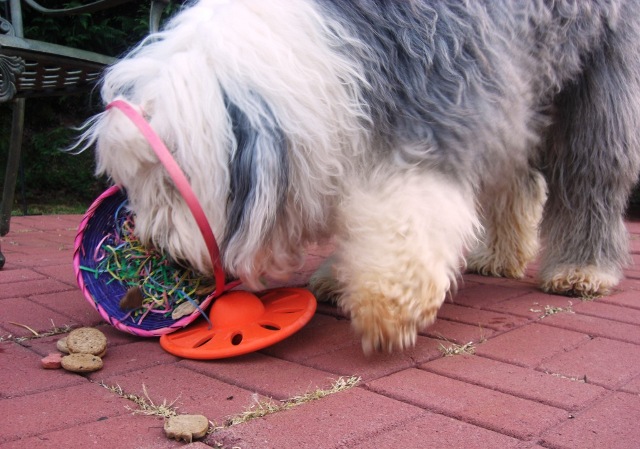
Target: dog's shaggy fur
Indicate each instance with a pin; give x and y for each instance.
(414, 133)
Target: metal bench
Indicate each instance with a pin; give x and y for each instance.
(30, 68)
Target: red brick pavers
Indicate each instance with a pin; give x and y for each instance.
(530, 370)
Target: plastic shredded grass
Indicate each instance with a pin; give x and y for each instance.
(163, 284)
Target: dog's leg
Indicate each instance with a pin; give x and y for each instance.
(400, 248)
(323, 282)
(591, 165)
(511, 214)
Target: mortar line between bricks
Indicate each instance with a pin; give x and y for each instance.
(615, 389)
(302, 360)
(388, 373)
(67, 288)
(248, 386)
(593, 335)
(78, 377)
(43, 390)
(56, 243)
(510, 298)
(369, 435)
(545, 445)
(14, 253)
(29, 298)
(620, 390)
(568, 348)
(73, 285)
(515, 393)
(61, 427)
(595, 315)
(468, 420)
(25, 230)
(28, 264)
(573, 347)
(287, 405)
(573, 416)
(137, 368)
(587, 382)
(58, 330)
(530, 320)
(496, 332)
(413, 364)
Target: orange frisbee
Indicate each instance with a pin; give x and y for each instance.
(243, 322)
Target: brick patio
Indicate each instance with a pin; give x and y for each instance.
(566, 380)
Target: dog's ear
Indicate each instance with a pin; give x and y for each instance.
(259, 173)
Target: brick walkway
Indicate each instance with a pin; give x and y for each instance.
(568, 380)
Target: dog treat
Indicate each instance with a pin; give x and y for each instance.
(184, 309)
(52, 361)
(81, 363)
(87, 340)
(61, 345)
(155, 283)
(186, 427)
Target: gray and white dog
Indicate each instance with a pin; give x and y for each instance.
(417, 134)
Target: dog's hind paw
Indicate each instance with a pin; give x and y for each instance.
(323, 283)
(582, 281)
(485, 263)
(505, 258)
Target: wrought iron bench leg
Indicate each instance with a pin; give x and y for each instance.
(13, 161)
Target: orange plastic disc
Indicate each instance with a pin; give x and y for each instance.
(242, 322)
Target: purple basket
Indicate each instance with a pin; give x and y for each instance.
(103, 291)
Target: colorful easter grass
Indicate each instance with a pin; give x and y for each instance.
(164, 284)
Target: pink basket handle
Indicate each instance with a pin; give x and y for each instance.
(182, 184)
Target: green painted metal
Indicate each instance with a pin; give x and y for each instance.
(30, 68)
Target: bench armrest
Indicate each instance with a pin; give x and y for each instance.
(35, 68)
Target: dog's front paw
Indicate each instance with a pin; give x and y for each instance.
(582, 281)
(382, 331)
(388, 323)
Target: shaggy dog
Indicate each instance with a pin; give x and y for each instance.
(414, 133)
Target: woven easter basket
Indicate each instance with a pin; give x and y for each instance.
(101, 225)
